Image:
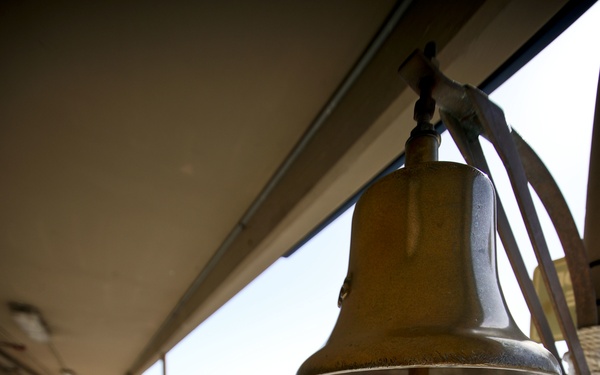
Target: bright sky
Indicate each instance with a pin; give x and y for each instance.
(288, 312)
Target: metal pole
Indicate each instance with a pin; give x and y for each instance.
(591, 236)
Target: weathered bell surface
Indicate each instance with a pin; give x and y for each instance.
(422, 293)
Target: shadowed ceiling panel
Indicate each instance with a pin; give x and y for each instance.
(134, 135)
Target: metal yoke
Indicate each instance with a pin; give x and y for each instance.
(468, 113)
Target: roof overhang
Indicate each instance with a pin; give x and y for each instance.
(158, 157)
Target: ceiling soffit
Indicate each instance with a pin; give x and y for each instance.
(134, 136)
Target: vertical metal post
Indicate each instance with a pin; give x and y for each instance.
(591, 237)
(163, 359)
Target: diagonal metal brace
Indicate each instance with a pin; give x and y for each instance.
(547, 189)
(478, 116)
(472, 151)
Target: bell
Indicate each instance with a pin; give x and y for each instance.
(422, 292)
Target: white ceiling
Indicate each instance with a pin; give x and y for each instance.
(134, 136)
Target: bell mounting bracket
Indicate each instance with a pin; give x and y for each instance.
(468, 113)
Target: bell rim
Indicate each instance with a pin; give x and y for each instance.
(515, 356)
(447, 367)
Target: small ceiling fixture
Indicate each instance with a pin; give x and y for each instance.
(422, 294)
(30, 320)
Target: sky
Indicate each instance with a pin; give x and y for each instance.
(288, 312)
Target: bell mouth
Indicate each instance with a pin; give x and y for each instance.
(441, 354)
(436, 371)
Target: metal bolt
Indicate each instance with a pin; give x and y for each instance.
(345, 290)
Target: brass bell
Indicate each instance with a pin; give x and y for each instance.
(422, 292)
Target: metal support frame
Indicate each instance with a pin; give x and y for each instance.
(591, 236)
(549, 193)
(468, 114)
(20, 365)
